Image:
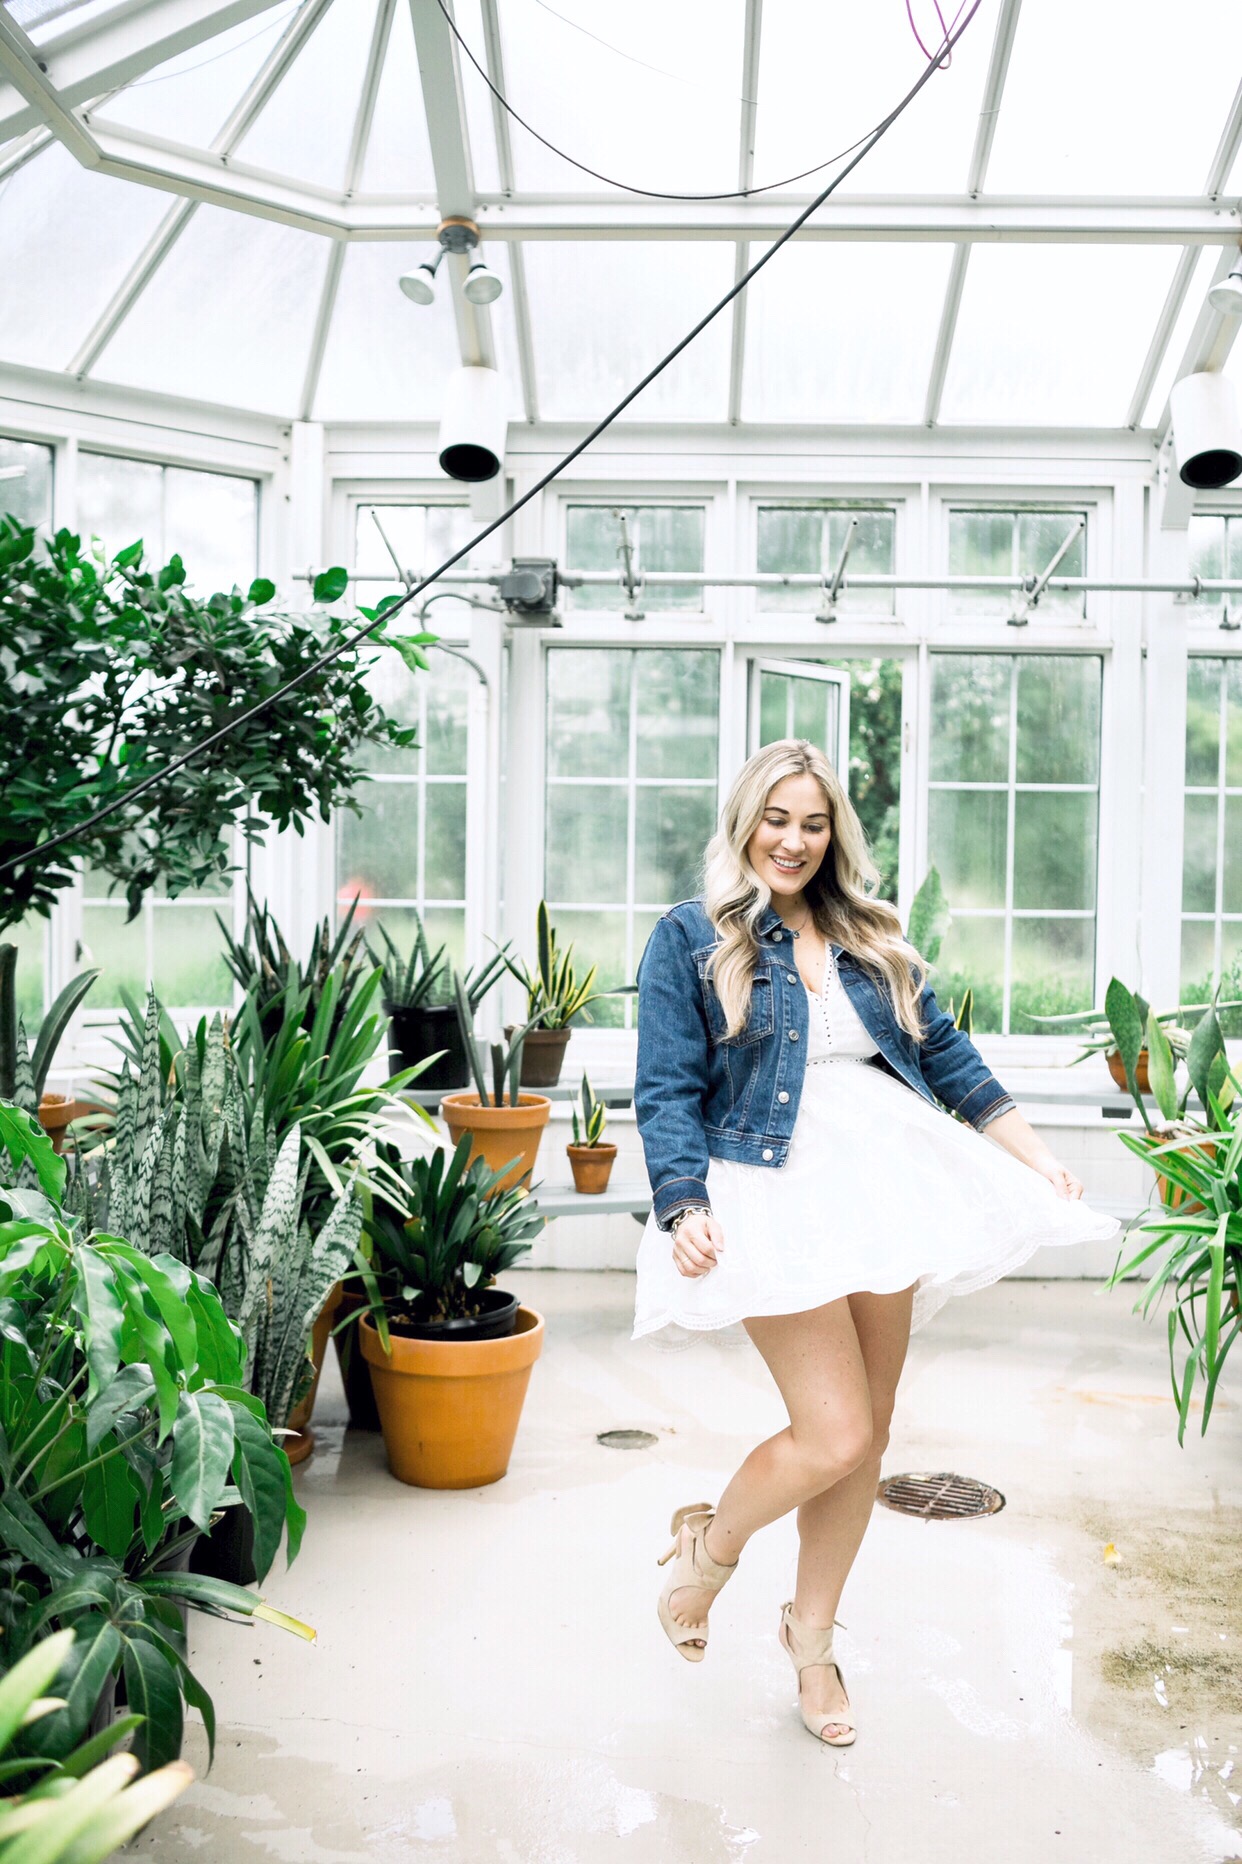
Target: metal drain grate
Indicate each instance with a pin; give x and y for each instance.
(942, 1497)
(626, 1439)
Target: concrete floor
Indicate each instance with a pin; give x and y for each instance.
(1020, 1697)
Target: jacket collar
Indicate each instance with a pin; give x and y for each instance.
(771, 921)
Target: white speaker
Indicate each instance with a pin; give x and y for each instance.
(1207, 430)
(473, 425)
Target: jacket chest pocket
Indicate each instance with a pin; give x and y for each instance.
(761, 1020)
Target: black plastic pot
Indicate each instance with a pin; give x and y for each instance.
(420, 1032)
(355, 1372)
(226, 1551)
(499, 1317)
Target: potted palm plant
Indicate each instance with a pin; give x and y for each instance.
(450, 1353)
(555, 995)
(1099, 1032)
(422, 1013)
(504, 1125)
(591, 1159)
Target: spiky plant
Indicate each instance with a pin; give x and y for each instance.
(594, 1119)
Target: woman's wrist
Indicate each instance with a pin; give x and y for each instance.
(1019, 1138)
(679, 1216)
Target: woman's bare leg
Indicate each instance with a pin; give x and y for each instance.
(831, 1524)
(821, 1372)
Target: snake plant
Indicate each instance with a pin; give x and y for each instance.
(555, 994)
(594, 1119)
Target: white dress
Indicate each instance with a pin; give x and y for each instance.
(880, 1189)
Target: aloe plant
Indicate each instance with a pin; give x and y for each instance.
(267, 973)
(427, 978)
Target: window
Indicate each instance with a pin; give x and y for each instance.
(1212, 855)
(1012, 822)
(208, 519)
(406, 852)
(663, 537)
(174, 946)
(809, 539)
(1216, 555)
(631, 798)
(1015, 543)
(26, 481)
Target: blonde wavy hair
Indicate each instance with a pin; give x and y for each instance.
(840, 894)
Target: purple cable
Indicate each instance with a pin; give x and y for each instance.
(944, 31)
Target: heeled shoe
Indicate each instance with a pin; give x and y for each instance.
(807, 1646)
(694, 1567)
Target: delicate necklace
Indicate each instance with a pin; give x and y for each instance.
(805, 923)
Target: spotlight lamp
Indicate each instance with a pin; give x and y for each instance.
(1226, 294)
(460, 236)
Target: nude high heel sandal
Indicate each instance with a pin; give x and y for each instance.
(809, 1645)
(693, 1566)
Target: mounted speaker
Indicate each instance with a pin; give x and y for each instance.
(473, 426)
(1207, 430)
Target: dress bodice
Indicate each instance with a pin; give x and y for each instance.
(835, 1031)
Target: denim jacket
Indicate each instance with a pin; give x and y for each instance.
(699, 1095)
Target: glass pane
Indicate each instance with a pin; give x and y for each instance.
(970, 717)
(444, 871)
(1231, 975)
(1203, 679)
(121, 501)
(1199, 855)
(589, 711)
(597, 938)
(678, 713)
(670, 537)
(1053, 967)
(26, 481)
(586, 842)
(875, 760)
(774, 708)
(447, 691)
(593, 542)
(1198, 953)
(211, 522)
(1040, 535)
(1019, 355)
(384, 353)
(30, 938)
(607, 310)
(445, 925)
(1232, 887)
(966, 842)
(980, 544)
(790, 543)
(304, 129)
(972, 956)
(870, 359)
(816, 711)
(672, 828)
(1058, 718)
(397, 690)
(1207, 552)
(120, 949)
(398, 158)
(1054, 848)
(377, 853)
(871, 554)
(1233, 722)
(188, 98)
(189, 958)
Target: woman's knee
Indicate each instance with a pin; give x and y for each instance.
(837, 1452)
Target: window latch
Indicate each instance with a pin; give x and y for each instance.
(832, 587)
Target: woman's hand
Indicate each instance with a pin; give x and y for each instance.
(698, 1242)
(1062, 1181)
(1010, 1131)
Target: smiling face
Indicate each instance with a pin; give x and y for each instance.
(789, 845)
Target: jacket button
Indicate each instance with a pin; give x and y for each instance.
(793, 1035)
(778, 936)
(767, 1152)
(782, 1097)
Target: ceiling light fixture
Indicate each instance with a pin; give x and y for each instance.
(1226, 294)
(459, 236)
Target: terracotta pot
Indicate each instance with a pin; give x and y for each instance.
(56, 1111)
(1116, 1067)
(298, 1448)
(591, 1166)
(499, 1134)
(450, 1411)
(543, 1052)
(1172, 1195)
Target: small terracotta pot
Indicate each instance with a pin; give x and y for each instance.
(1117, 1068)
(543, 1052)
(450, 1412)
(499, 1135)
(298, 1448)
(1172, 1195)
(56, 1111)
(591, 1166)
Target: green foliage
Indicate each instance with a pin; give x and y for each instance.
(449, 1235)
(555, 995)
(17, 1061)
(267, 973)
(77, 1808)
(591, 1130)
(930, 918)
(875, 761)
(506, 1062)
(124, 1428)
(427, 978)
(111, 671)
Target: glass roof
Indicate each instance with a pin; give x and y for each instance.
(1083, 181)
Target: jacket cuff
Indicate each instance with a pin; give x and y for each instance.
(1005, 1104)
(671, 1197)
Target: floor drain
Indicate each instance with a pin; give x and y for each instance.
(942, 1497)
(627, 1439)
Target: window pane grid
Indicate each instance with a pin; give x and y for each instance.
(662, 537)
(1212, 863)
(1019, 542)
(807, 539)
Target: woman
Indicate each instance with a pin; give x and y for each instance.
(806, 1184)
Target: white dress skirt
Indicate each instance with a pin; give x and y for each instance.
(880, 1189)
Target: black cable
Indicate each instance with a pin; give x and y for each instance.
(655, 194)
(356, 635)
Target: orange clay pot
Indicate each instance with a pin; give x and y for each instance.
(1172, 1195)
(298, 1448)
(450, 1410)
(1117, 1068)
(591, 1166)
(499, 1134)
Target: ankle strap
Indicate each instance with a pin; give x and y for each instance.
(809, 1644)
